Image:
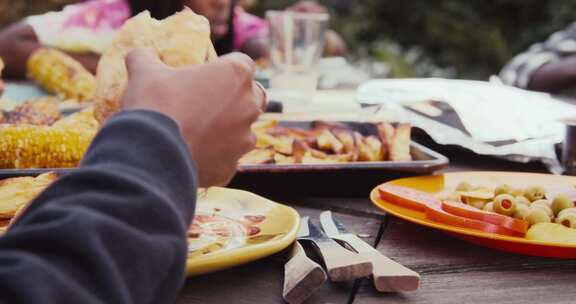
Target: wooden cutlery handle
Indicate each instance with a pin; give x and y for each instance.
(343, 264)
(391, 276)
(302, 276)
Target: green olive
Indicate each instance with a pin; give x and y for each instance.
(537, 215)
(489, 207)
(571, 210)
(504, 204)
(568, 220)
(502, 189)
(464, 187)
(522, 211)
(517, 192)
(474, 202)
(535, 193)
(544, 205)
(454, 197)
(560, 203)
(522, 200)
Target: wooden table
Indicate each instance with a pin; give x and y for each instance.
(453, 271)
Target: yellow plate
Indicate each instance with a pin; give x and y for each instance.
(435, 184)
(233, 227)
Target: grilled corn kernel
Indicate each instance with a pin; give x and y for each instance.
(27, 146)
(61, 74)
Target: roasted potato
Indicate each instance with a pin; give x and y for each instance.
(327, 142)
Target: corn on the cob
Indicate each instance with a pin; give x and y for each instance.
(61, 74)
(40, 111)
(28, 146)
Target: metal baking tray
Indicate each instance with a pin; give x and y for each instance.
(424, 160)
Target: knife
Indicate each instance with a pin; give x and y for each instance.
(302, 276)
(389, 276)
(341, 264)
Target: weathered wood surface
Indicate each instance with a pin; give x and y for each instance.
(453, 271)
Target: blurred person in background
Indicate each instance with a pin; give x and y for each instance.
(85, 29)
(548, 66)
(13, 10)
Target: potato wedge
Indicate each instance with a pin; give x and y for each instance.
(400, 145)
(375, 147)
(386, 134)
(282, 144)
(258, 157)
(262, 125)
(346, 137)
(326, 141)
(283, 159)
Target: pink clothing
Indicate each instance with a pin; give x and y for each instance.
(247, 26)
(83, 27)
(90, 26)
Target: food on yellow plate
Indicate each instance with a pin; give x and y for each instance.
(41, 111)
(464, 186)
(543, 205)
(58, 73)
(550, 232)
(210, 233)
(464, 210)
(179, 40)
(437, 214)
(325, 143)
(505, 204)
(568, 220)
(522, 211)
(560, 203)
(535, 193)
(530, 204)
(15, 193)
(434, 210)
(407, 197)
(522, 200)
(61, 145)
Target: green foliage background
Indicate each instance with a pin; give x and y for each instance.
(453, 38)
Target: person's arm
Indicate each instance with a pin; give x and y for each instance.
(555, 76)
(18, 41)
(548, 66)
(113, 231)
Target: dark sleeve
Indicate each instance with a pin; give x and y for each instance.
(112, 231)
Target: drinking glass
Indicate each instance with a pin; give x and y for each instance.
(296, 44)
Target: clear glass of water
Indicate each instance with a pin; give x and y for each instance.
(296, 45)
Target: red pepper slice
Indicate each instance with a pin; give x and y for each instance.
(464, 210)
(432, 207)
(407, 197)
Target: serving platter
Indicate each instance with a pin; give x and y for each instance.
(437, 183)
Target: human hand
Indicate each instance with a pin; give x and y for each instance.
(213, 103)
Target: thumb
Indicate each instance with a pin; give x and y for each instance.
(142, 61)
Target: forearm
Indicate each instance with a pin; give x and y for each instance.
(18, 42)
(112, 231)
(555, 76)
